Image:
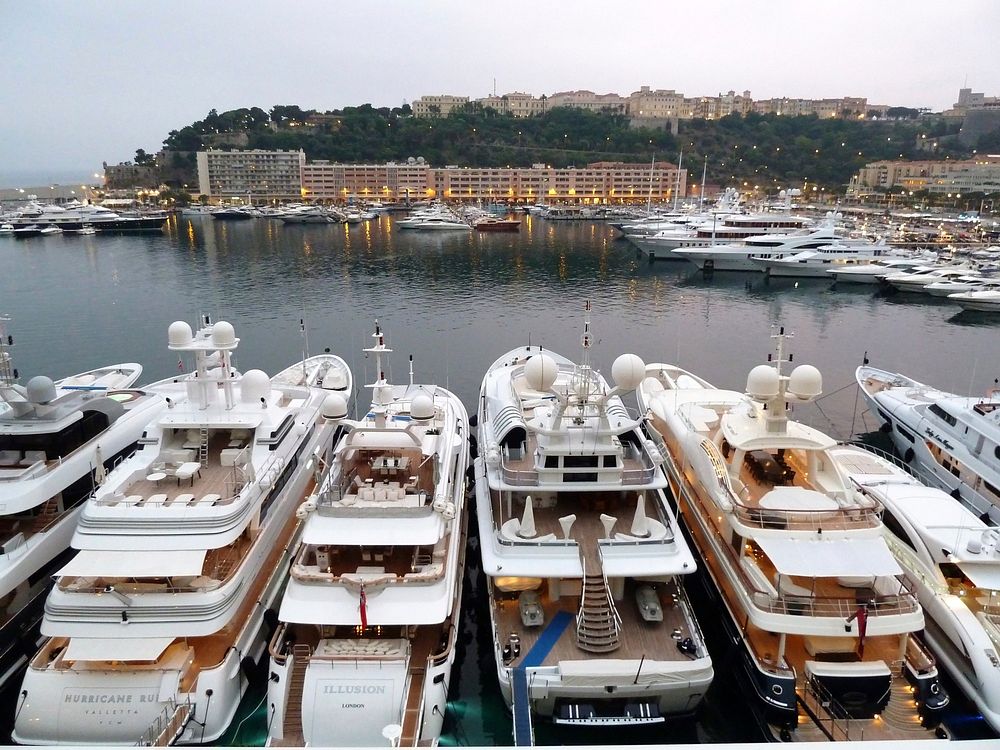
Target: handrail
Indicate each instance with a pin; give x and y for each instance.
(824, 707)
(167, 725)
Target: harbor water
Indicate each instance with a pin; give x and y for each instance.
(455, 301)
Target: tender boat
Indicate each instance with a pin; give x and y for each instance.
(823, 617)
(57, 441)
(374, 593)
(954, 441)
(584, 559)
(953, 559)
(183, 552)
(6, 228)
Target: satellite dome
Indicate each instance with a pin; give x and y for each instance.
(334, 407)
(179, 334)
(805, 382)
(762, 382)
(41, 390)
(628, 371)
(254, 386)
(223, 334)
(540, 372)
(422, 407)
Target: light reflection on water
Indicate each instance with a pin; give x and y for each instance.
(457, 301)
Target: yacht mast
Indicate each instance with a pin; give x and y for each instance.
(677, 182)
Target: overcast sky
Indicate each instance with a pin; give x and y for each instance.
(85, 82)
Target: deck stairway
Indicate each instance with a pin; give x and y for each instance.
(168, 726)
(598, 624)
(203, 446)
(49, 513)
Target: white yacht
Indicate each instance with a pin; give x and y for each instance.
(954, 561)
(823, 616)
(57, 441)
(816, 263)
(584, 559)
(982, 300)
(76, 215)
(183, 550)
(6, 228)
(917, 279)
(720, 230)
(311, 214)
(872, 273)
(373, 598)
(960, 284)
(954, 440)
(749, 254)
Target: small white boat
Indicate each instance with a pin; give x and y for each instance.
(84, 230)
(6, 229)
(51, 230)
(982, 300)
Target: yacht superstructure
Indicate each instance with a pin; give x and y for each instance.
(370, 618)
(583, 557)
(57, 441)
(824, 616)
(182, 552)
(953, 559)
(954, 440)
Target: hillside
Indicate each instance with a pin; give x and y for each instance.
(759, 149)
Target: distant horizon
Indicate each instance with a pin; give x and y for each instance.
(15, 179)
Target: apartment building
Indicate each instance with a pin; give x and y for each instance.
(981, 174)
(254, 175)
(588, 100)
(598, 183)
(437, 106)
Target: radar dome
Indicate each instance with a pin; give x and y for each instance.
(422, 407)
(540, 372)
(254, 386)
(41, 390)
(628, 371)
(805, 382)
(762, 382)
(223, 334)
(334, 407)
(179, 334)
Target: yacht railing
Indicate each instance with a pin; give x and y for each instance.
(168, 724)
(855, 517)
(831, 717)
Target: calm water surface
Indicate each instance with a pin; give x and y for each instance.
(456, 302)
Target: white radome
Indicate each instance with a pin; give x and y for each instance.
(540, 371)
(179, 334)
(805, 382)
(628, 371)
(255, 385)
(223, 334)
(422, 407)
(762, 382)
(41, 390)
(334, 407)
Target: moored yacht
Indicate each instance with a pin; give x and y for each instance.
(823, 616)
(77, 215)
(981, 300)
(719, 230)
(57, 441)
(954, 440)
(872, 273)
(584, 559)
(816, 263)
(953, 558)
(369, 621)
(183, 551)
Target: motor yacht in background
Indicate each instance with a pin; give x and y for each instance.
(953, 440)
(817, 262)
(584, 559)
(375, 585)
(980, 300)
(824, 618)
(182, 552)
(872, 273)
(57, 441)
(719, 230)
(917, 279)
(953, 559)
(77, 215)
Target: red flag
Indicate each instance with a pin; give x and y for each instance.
(861, 615)
(364, 608)
(180, 364)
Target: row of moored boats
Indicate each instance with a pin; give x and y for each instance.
(202, 523)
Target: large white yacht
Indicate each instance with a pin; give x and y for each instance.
(980, 300)
(77, 215)
(719, 230)
(183, 550)
(872, 273)
(953, 559)
(369, 621)
(311, 214)
(57, 441)
(817, 262)
(740, 256)
(583, 557)
(954, 440)
(823, 616)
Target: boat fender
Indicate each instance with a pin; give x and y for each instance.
(248, 665)
(885, 429)
(474, 420)
(908, 456)
(270, 620)
(449, 512)
(956, 493)
(473, 447)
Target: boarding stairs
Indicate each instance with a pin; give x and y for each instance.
(598, 624)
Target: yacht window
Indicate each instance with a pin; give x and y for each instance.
(992, 489)
(580, 462)
(897, 530)
(552, 462)
(996, 451)
(610, 462)
(905, 433)
(942, 414)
